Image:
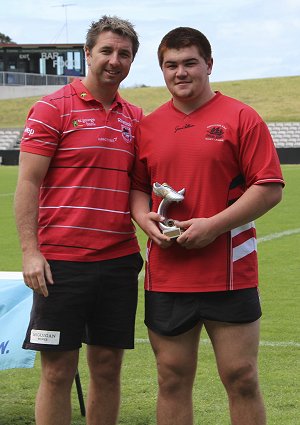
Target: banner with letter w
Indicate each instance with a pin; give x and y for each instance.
(15, 306)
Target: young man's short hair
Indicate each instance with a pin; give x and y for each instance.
(181, 37)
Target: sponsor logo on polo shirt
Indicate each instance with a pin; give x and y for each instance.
(28, 130)
(106, 139)
(128, 124)
(84, 122)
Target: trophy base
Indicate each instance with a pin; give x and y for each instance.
(172, 232)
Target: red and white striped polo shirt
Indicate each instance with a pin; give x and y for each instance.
(84, 210)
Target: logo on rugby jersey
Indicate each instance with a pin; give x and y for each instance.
(84, 122)
(184, 127)
(215, 132)
(126, 133)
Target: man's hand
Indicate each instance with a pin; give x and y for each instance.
(255, 202)
(198, 233)
(149, 223)
(36, 272)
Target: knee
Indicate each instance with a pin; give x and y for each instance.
(242, 381)
(175, 378)
(58, 375)
(106, 366)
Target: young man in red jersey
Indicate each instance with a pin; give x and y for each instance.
(80, 253)
(221, 152)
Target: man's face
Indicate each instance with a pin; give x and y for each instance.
(110, 59)
(186, 73)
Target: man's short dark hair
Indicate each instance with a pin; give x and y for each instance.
(114, 24)
(181, 37)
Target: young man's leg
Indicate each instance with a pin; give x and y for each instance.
(236, 350)
(176, 358)
(53, 400)
(103, 400)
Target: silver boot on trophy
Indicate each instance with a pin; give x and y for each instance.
(169, 195)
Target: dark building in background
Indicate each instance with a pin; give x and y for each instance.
(41, 59)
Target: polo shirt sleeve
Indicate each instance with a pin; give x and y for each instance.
(41, 134)
(140, 179)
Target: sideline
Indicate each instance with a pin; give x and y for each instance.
(278, 235)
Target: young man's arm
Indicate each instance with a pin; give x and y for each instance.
(32, 170)
(255, 202)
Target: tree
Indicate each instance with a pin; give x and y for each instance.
(5, 39)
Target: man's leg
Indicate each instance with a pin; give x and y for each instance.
(53, 400)
(103, 400)
(176, 358)
(236, 350)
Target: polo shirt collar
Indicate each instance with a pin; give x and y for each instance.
(84, 94)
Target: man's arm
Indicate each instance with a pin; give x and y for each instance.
(148, 221)
(32, 170)
(254, 203)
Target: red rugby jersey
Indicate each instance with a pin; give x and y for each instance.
(215, 153)
(84, 210)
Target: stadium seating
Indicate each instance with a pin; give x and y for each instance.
(286, 136)
(10, 138)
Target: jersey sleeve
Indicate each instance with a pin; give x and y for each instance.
(258, 157)
(42, 134)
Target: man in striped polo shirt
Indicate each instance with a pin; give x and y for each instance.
(80, 252)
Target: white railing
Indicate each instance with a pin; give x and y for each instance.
(8, 78)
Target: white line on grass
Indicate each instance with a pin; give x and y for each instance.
(262, 343)
(6, 194)
(278, 235)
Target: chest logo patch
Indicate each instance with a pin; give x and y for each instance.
(215, 132)
(126, 133)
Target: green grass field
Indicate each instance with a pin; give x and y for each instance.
(275, 99)
(280, 342)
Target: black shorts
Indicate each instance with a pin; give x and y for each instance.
(92, 302)
(173, 313)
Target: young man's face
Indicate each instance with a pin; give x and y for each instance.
(186, 73)
(110, 59)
